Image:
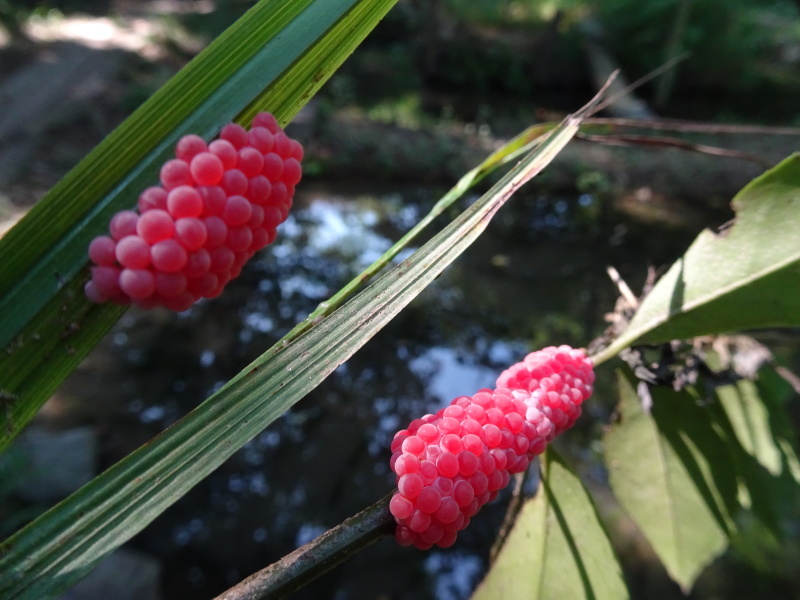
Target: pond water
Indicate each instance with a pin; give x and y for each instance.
(536, 277)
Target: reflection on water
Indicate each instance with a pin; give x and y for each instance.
(454, 573)
(448, 377)
(535, 278)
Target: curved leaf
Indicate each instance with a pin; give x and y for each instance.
(745, 277)
(558, 548)
(672, 472)
(274, 58)
(66, 542)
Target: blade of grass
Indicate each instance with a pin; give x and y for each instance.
(62, 545)
(288, 47)
(210, 90)
(524, 142)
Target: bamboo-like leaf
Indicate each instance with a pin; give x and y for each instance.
(673, 473)
(274, 58)
(524, 142)
(745, 277)
(61, 546)
(558, 547)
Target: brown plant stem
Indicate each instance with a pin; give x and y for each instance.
(639, 140)
(691, 126)
(515, 504)
(311, 560)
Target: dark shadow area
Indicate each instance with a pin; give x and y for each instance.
(690, 433)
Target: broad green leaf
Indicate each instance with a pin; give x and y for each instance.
(62, 545)
(672, 472)
(762, 445)
(274, 58)
(558, 547)
(745, 277)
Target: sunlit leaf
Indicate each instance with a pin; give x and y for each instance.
(750, 419)
(66, 542)
(745, 277)
(672, 472)
(775, 391)
(274, 58)
(558, 547)
(763, 446)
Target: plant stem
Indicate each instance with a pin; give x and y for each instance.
(605, 354)
(689, 126)
(313, 559)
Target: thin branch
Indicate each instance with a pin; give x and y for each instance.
(595, 105)
(313, 559)
(514, 506)
(640, 140)
(518, 498)
(692, 126)
(623, 288)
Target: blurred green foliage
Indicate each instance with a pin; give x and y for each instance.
(743, 62)
(722, 35)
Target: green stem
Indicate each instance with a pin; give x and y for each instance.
(606, 354)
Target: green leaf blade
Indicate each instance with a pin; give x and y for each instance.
(743, 278)
(558, 548)
(672, 473)
(48, 246)
(288, 47)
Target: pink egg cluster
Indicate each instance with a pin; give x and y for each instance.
(555, 382)
(217, 205)
(450, 464)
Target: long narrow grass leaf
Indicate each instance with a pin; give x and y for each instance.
(62, 545)
(287, 47)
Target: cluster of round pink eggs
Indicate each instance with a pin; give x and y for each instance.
(217, 205)
(450, 464)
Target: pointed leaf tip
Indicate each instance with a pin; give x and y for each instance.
(672, 473)
(742, 277)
